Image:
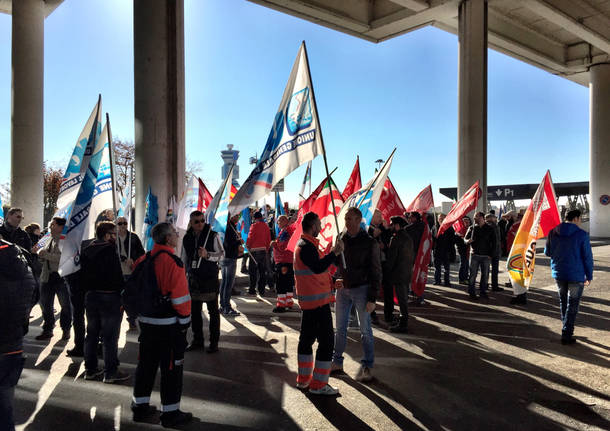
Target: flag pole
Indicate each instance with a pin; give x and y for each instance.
(376, 178)
(111, 158)
(129, 221)
(313, 96)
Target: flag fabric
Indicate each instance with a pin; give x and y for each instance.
(541, 217)
(103, 194)
(151, 218)
(75, 172)
(189, 203)
(367, 197)
(354, 182)
(125, 208)
(217, 213)
(304, 208)
(422, 202)
(172, 211)
(419, 276)
(389, 203)
(1, 212)
(205, 197)
(294, 138)
(279, 210)
(233, 191)
(76, 226)
(306, 179)
(467, 203)
(322, 206)
(243, 225)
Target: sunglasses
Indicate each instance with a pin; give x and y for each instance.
(123, 223)
(199, 221)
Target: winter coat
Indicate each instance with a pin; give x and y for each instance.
(569, 248)
(101, 267)
(363, 263)
(398, 266)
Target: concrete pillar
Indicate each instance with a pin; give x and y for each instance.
(159, 101)
(472, 97)
(27, 150)
(599, 181)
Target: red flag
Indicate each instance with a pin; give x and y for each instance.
(320, 203)
(354, 183)
(467, 203)
(422, 260)
(233, 191)
(205, 197)
(422, 202)
(389, 203)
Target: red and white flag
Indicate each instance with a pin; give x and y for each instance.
(422, 202)
(205, 197)
(419, 277)
(467, 203)
(354, 183)
(389, 203)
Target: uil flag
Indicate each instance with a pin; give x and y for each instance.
(279, 210)
(322, 206)
(205, 197)
(541, 217)
(294, 138)
(354, 182)
(151, 218)
(389, 203)
(419, 276)
(217, 213)
(304, 208)
(422, 202)
(69, 261)
(367, 197)
(306, 179)
(243, 225)
(467, 203)
(75, 172)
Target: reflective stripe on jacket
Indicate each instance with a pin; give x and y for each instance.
(312, 290)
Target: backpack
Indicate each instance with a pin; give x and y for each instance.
(142, 295)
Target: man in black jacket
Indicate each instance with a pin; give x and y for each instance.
(11, 232)
(361, 280)
(17, 287)
(130, 249)
(482, 239)
(102, 277)
(228, 266)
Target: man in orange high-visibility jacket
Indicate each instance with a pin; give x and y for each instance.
(313, 289)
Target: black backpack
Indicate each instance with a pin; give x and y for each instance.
(142, 295)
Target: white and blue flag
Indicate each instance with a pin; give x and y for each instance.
(125, 207)
(79, 217)
(279, 210)
(1, 212)
(217, 214)
(294, 138)
(367, 197)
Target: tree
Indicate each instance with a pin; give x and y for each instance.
(52, 178)
(124, 162)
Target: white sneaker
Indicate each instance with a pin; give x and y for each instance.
(364, 374)
(325, 390)
(304, 385)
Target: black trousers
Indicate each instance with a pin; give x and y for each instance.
(388, 302)
(77, 296)
(317, 324)
(257, 270)
(160, 347)
(284, 274)
(197, 321)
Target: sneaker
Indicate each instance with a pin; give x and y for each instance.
(336, 368)
(279, 310)
(212, 348)
(473, 296)
(93, 374)
(143, 412)
(232, 313)
(117, 376)
(177, 417)
(195, 345)
(303, 385)
(75, 352)
(66, 335)
(325, 390)
(46, 335)
(364, 374)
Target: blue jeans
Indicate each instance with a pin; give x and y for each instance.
(228, 267)
(345, 299)
(47, 297)
(10, 371)
(103, 318)
(569, 298)
(476, 261)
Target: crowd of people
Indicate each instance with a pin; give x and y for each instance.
(161, 293)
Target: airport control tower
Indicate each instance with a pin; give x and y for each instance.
(230, 156)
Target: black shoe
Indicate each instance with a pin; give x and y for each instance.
(45, 335)
(497, 289)
(436, 283)
(447, 284)
(519, 300)
(251, 292)
(212, 348)
(76, 352)
(177, 417)
(279, 310)
(473, 296)
(235, 292)
(483, 295)
(464, 282)
(401, 329)
(143, 412)
(568, 341)
(195, 345)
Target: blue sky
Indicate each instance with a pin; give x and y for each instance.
(371, 97)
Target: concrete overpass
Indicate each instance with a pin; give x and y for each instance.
(569, 38)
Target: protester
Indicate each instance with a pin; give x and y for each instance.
(442, 249)
(491, 220)
(53, 284)
(130, 249)
(398, 269)
(284, 272)
(482, 239)
(259, 239)
(463, 250)
(18, 287)
(201, 252)
(102, 277)
(569, 248)
(228, 266)
(11, 232)
(163, 334)
(382, 235)
(313, 288)
(415, 229)
(358, 284)
(33, 231)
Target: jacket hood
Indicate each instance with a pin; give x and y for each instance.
(95, 248)
(566, 229)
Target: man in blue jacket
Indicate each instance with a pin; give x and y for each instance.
(569, 248)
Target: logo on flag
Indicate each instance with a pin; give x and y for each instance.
(298, 111)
